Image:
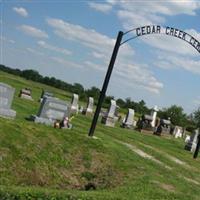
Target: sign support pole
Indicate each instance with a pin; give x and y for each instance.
(197, 148)
(105, 84)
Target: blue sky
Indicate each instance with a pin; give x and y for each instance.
(73, 41)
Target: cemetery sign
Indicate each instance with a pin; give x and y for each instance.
(137, 32)
(156, 29)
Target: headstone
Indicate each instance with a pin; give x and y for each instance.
(187, 138)
(144, 124)
(128, 122)
(164, 126)
(74, 103)
(25, 93)
(110, 117)
(154, 114)
(51, 110)
(89, 109)
(81, 109)
(178, 132)
(192, 143)
(45, 94)
(6, 98)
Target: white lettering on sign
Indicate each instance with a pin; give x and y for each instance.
(156, 29)
(144, 30)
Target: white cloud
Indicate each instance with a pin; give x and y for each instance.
(34, 51)
(95, 66)
(102, 46)
(11, 41)
(102, 7)
(197, 101)
(170, 44)
(2, 38)
(32, 31)
(138, 13)
(54, 48)
(171, 61)
(87, 37)
(66, 63)
(21, 11)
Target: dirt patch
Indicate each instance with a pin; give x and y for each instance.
(169, 188)
(172, 158)
(144, 155)
(191, 180)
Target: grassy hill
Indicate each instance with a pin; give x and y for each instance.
(40, 162)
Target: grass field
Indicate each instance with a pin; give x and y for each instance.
(40, 162)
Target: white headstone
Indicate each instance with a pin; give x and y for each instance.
(112, 109)
(178, 132)
(74, 103)
(154, 114)
(130, 117)
(109, 118)
(90, 104)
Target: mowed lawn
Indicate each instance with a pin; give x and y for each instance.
(40, 162)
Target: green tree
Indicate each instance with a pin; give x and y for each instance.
(121, 103)
(176, 115)
(196, 117)
(93, 92)
(31, 75)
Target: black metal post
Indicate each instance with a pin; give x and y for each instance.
(105, 84)
(197, 148)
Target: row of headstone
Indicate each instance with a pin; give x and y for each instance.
(53, 109)
(6, 98)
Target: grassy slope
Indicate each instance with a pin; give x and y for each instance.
(37, 158)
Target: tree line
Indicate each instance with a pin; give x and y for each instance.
(174, 112)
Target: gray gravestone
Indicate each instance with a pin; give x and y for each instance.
(74, 103)
(51, 110)
(6, 98)
(192, 142)
(45, 94)
(129, 119)
(110, 118)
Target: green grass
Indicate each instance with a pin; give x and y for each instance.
(40, 162)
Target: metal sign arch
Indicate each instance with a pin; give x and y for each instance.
(164, 30)
(140, 31)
